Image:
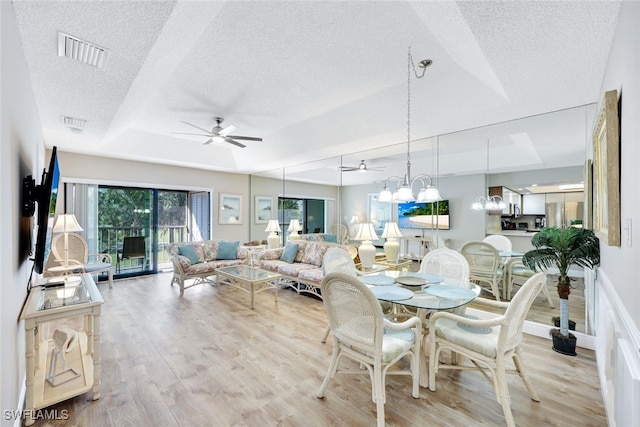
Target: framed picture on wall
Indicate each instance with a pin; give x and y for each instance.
(230, 209)
(263, 209)
(606, 172)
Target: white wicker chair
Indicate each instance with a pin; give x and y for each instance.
(484, 265)
(501, 243)
(446, 263)
(488, 349)
(362, 333)
(78, 254)
(341, 231)
(337, 260)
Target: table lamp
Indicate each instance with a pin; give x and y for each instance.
(294, 227)
(66, 224)
(391, 247)
(273, 239)
(367, 252)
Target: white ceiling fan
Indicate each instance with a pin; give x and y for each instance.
(362, 167)
(219, 134)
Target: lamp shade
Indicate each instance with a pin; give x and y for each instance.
(366, 232)
(294, 225)
(66, 223)
(391, 230)
(273, 226)
(354, 220)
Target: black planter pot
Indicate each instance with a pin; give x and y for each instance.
(556, 323)
(563, 345)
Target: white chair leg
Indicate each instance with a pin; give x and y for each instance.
(378, 385)
(517, 361)
(326, 334)
(333, 367)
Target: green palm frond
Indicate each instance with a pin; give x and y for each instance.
(563, 247)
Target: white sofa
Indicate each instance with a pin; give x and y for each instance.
(207, 253)
(305, 273)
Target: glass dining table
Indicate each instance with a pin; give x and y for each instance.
(420, 290)
(423, 292)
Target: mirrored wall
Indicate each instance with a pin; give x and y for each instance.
(547, 149)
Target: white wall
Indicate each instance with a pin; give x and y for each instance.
(21, 154)
(617, 284)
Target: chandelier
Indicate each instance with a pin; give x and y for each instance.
(488, 203)
(404, 190)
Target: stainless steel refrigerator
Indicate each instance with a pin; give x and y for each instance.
(563, 214)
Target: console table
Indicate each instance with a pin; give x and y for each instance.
(59, 299)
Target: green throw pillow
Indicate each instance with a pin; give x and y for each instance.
(190, 252)
(228, 250)
(290, 252)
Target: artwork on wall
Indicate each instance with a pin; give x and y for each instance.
(606, 172)
(230, 209)
(263, 209)
(379, 213)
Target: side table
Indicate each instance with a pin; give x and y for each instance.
(77, 295)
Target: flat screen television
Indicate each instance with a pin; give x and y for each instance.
(433, 215)
(45, 196)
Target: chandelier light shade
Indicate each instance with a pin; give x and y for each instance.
(404, 191)
(66, 224)
(491, 204)
(391, 232)
(367, 252)
(294, 227)
(273, 240)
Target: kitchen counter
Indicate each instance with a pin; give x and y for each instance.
(520, 239)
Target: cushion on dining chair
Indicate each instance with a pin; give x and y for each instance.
(395, 343)
(482, 343)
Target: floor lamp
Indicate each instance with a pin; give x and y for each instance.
(66, 224)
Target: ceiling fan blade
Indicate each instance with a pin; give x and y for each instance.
(208, 141)
(246, 138)
(227, 130)
(185, 133)
(236, 143)
(348, 168)
(197, 127)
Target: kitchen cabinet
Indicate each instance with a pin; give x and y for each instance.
(533, 204)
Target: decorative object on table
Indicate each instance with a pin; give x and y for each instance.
(357, 322)
(294, 227)
(606, 172)
(411, 281)
(404, 191)
(490, 353)
(263, 209)
(230, 209)
(64, 340)
(367, 252)
(492, 204)
(561, 248)
(273, 228)
(66, 224)
(391, 232)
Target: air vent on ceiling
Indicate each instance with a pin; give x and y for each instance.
(82, 51)
(73, 123)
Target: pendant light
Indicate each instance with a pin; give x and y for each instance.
(404, 191)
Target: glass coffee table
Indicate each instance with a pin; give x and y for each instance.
(248, 279)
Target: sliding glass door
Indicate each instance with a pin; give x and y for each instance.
(135, 225)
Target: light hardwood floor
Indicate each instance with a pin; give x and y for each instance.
(206, 359)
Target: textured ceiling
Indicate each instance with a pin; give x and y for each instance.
(319, 79)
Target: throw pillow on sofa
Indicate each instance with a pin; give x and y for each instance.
(228, 250)
(313, 253)
(290, 252)
(332, 238)
(189, 252)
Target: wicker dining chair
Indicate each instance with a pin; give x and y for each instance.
(363, 334)
(489, 343)
(484, 265)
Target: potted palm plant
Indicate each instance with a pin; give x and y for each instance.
(562, 248)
